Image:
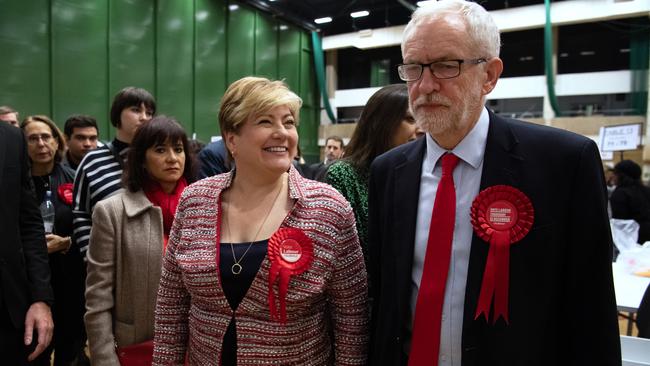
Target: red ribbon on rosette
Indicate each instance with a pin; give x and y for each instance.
(501, 215)
(65, 193)
(291, 252)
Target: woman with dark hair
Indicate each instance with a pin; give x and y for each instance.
(385, 123)
(45, 146)
(631, 199)
(129, 236)
(98, 175)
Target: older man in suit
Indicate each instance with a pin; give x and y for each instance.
(526, 281)
(25, 292)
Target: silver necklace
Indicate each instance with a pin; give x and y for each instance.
(236, 268)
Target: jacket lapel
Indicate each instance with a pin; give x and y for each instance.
(502, 164)
(405, 202)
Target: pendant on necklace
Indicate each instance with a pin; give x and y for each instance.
(236, 269)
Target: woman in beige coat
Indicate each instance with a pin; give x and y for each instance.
(128, 238)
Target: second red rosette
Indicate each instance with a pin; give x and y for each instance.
(65, 193)
(291, 252)
(501, 215)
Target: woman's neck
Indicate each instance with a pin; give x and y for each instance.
(40, 169)
(168, 187)
(251, 185)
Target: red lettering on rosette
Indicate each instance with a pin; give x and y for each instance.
(291, 252)
(501, 215)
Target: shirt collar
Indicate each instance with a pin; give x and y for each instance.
(471, 148)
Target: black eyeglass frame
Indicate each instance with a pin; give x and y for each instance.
(473, 61)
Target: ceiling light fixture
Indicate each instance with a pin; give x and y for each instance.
(322, 20)
(233, 7)
(359, 14)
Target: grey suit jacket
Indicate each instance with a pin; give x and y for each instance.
(124, 264)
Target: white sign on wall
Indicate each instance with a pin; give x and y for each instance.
(620, 137)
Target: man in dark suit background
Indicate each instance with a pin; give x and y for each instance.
(561, 306)
(25, 292)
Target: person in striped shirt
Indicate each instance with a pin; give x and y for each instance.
(99, 173)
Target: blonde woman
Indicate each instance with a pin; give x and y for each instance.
(263, 266)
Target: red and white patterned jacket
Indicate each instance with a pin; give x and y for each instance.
(327, 302)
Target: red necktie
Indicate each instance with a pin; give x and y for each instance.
(425, 341)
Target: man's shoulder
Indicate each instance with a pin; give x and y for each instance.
(409, 151)
(10, 136)
(538, 133)
(214, 148)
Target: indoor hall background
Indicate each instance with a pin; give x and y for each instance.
(59, 57)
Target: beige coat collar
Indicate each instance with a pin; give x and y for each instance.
(136, 203)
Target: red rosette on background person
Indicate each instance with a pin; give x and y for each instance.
(65, 193)
(291, 252)
(501, 215)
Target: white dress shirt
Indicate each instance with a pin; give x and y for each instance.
(467, 181)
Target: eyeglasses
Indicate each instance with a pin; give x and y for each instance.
(440, 69)
(33, 139)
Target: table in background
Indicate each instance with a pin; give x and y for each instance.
(629, 292)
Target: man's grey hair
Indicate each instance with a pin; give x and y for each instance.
(483, 31)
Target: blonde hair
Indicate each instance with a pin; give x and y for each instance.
(252, 96)
(483, 32)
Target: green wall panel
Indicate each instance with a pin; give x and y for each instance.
(289, 53)
(209, 66)
(71, 56)
(175, 65)
(78, 31)
(307, 74)
(131, 50)
(308, 129)
(266, 47)
(25, 60)
(241, 43)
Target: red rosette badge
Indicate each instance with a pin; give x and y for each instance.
(501, 215)
(291, 252)
(65, 193)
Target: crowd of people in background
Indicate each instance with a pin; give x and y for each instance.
(237, 252)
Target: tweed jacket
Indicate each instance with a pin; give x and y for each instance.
(124, 264)
(327, 302)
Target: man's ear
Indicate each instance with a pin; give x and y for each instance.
(493, 70)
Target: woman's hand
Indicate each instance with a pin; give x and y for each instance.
(57, 243)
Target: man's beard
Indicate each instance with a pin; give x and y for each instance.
(446, 118)
(438, 121)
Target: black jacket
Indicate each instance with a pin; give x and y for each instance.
(24, 269)
(562, 307)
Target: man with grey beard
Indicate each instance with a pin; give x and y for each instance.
(477, 255)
